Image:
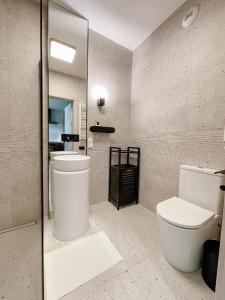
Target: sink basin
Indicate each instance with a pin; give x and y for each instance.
(57, 153)
(71, 163)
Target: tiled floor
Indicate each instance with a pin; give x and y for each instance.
(144, 273)
(21, 264)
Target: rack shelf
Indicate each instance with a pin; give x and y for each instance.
(123, 177)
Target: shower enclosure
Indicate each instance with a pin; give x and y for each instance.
(20, 147)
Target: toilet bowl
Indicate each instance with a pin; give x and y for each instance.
(182, 240)
(187, 221)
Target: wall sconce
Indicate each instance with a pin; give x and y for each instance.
(100, 94)
(101, 102)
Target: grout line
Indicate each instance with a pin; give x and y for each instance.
(18, 227)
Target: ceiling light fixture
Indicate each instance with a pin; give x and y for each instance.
(62, 51)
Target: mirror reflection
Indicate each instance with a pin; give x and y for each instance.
(67, 60)
(67, 65)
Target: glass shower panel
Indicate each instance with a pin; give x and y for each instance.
(20, 147)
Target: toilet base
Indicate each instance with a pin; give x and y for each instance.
(183, 248)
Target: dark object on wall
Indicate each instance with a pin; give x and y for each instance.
(222, 187)
(81, 147)
(102, 129)
(101, 102)
(123, 177)
(50, 121)
(220, 172)
(55, 146)
(69, 137)
(210, 263)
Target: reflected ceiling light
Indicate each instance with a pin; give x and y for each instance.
(62, 51)
(100, 94)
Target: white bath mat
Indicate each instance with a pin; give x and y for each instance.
(71, 266)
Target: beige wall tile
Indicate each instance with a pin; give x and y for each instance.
(20, 194)
(177, 101)
(109, 66)
(66, 86)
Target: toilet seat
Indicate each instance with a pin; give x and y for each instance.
(183, 214)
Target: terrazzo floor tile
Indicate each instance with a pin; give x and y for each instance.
(20, 264)
(158, 280)
(121, 288)
(144, 273)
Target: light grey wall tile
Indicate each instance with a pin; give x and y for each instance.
(66, 86)
(177, 101)
(109, 66)
(20, 195)
(20, 169)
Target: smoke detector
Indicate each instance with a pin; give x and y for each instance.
(190, 16)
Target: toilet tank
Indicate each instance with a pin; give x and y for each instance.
(201, 186)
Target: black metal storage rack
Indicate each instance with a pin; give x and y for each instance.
(123, 177)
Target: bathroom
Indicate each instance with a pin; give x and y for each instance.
(146, 77)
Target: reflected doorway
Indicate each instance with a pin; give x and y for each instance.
(60, 116)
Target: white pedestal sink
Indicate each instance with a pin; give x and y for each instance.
(70, 195)
(52, 155)
(58, 153)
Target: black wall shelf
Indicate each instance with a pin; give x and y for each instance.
(102, 129)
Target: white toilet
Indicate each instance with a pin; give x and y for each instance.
(186, 222)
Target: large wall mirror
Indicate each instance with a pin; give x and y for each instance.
(67, 73)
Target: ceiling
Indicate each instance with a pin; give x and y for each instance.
(127, 22)
(70, 29)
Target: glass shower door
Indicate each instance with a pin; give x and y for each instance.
(20, 147)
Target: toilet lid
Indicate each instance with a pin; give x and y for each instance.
(183, 214)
